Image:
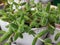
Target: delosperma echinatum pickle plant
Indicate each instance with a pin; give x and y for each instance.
(24, 19)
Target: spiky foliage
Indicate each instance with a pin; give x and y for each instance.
(24, 19)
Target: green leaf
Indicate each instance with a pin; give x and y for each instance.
(58, 43)
(44, 18)
(7, 44)
(15, 3)
(34, 41)
(32, 32)
(27, 28)
(26, 18)
(43, 21)
(2, 32)
(33, 23)
(23, 3)
(28, 7)
(48, 7)
(38, 36)
(57, 36)
(51, 29)
(48, 40)
(5, 36)
(14, 27)
(19, 20)
(10, 1)
(21, 35)
(21, 26)
(42, 33)
(48, 44)
(59, 7)
(39, 6)
(16, 36)
(11, 16)
(2, 12)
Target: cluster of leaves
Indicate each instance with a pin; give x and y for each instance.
(24, 19)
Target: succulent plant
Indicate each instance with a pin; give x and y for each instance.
(24, 19)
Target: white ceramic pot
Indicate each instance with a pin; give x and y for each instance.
(57, 30)
(53, 36)
(3, 25)
(27, 39)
